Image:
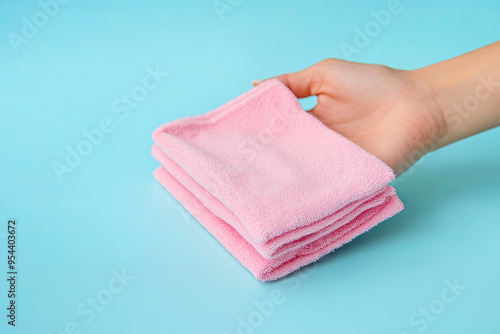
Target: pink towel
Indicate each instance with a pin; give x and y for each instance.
(275, 186)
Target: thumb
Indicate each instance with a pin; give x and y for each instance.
(302, 83)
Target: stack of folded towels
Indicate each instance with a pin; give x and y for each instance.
(274, 185)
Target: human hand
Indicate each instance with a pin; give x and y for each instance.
(390, 113)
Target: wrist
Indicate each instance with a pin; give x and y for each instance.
(431, 101)
(462, 94)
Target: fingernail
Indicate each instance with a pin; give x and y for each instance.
(256, 82)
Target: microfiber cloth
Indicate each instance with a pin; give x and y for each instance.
(274, 185)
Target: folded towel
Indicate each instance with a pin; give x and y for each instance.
(287, 242)
(275, 186)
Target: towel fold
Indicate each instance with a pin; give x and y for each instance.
(275, 186)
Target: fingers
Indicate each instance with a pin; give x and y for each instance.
(302, 83)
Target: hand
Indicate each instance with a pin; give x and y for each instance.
(397, 115)
(390, 113)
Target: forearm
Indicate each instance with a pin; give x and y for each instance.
(466, 93)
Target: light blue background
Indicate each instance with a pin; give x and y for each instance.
(110, 213)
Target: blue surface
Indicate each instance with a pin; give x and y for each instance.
(108, 214)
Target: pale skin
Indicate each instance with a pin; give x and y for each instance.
(400, 115)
